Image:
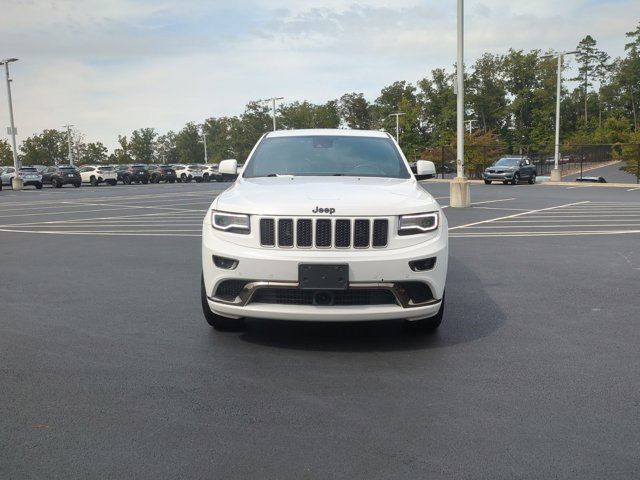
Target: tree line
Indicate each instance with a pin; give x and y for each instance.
(510, 100)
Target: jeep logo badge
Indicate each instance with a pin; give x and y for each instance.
(330, 211)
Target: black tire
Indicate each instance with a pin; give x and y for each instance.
(198, 180)
(427, 325)
(516, 179)
(217, 321)
(532, 178)
(145, 181)
(183, 178)
(206, 178)
(172, 180)
(113, 183)
(126, 180)
(77, 184)
(93, 181)
(487, 182)
(39, 186)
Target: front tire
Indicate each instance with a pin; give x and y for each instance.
(113, 183)
(487, 182)
(218, 322)
(516, 179)
(427, 325)
(93, 181)
(532, 179)
(39, 186)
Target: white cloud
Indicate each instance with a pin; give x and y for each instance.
(110, 66)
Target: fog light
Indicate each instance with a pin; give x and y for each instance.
(423, 264)
(225, 263)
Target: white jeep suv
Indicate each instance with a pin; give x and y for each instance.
(325, 225)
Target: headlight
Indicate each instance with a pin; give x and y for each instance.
(420, 223)
(230, 222)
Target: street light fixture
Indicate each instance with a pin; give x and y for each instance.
(397, 115)
(273, 103)
(460, 195)
(16, 181)
(555, 173)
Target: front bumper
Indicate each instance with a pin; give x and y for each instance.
(375, 268)
(498, 176)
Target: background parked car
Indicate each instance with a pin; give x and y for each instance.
(162, 173)
(97, 174)
(136, 173)
(61, 175)
(29, 175)
(210, 172)
(511, 170)
(7, 174)
(186, 173)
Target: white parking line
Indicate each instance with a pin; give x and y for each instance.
(516, 215)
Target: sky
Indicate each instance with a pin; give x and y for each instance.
(112, 66)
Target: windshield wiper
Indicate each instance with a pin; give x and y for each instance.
(280, 175)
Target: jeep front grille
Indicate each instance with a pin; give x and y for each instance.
(324, 232)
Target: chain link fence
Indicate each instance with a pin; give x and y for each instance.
(573, 158)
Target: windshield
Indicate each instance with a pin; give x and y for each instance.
(28, 169)
(106, 169)
(326, 155)
(507, 162)
(67, 169)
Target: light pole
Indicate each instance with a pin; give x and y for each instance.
(16, 181)
(459, 190)
(273, 107)
(68, 127)
(397, 115)
(204, 142)
(470, 123)
(555, 173)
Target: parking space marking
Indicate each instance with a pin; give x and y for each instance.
(172, 214)
(578, 218)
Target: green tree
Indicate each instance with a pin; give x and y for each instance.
(46, 148)
(122, 154)
(6, 153)
(521, 81)
(355, 111)
(94, 152)
(630, 72)
(487, 93)
(142, 145)
(188, 146)
(437, 102)
(165, 148)
(588, 56)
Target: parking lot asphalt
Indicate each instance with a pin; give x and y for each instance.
(108, 370)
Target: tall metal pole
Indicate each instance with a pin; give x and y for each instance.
(273, 108)
(397, 115)
(68, 127)
(460, 99)
(460, 191)
(556, 156)
(274, 114)
(555, 173)
(11, 121)
(204, 141)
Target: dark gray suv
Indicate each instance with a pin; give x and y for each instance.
(510, 170)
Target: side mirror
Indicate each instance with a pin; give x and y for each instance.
(230, 167)
(425, 169)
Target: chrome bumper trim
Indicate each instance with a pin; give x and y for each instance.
(247, 292)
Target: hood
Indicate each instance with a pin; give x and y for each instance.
(305, 196)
